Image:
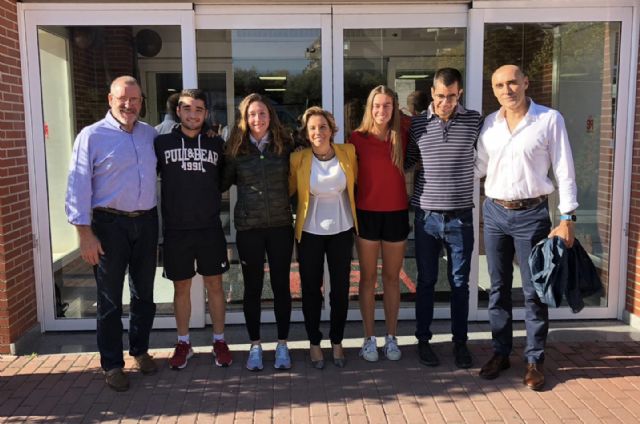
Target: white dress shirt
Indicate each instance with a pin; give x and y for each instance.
(516, 163)
(329, 210)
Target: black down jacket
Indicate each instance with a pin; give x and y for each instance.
(558, 272)
(263, 188)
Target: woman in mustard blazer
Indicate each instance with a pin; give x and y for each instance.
(324, 177)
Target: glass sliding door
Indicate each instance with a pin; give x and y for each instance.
(77, 66)
(77, 57)
(402, 51)
(574, 64)
(287, 59)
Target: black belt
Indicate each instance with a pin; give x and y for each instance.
(132, 214)
(520, 204)
(455, 213)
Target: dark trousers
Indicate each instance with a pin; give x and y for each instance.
(128, 243)
(277, 242)
(509, 232)
(433, 231)
(311, 252)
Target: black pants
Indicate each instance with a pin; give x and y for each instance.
(277, 243)
(311, 252)
(129, 244)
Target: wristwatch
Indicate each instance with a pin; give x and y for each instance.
(568, 217)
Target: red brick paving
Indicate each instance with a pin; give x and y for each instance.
(586, 383)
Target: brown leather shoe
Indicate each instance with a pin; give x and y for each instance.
(492, 368)
(534, 377)
(146, 364)
(117, 379)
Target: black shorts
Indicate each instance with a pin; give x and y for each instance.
(383, 226)
(206, 247)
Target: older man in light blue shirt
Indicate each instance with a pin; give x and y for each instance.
(111, 200)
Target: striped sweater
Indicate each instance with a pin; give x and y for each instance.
(446, 151)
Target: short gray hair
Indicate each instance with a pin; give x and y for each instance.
(126, 80)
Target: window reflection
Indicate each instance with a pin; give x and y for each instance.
(404, 59)
(572, 67)
(77, 65)
(281, 64)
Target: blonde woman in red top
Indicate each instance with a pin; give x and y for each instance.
(382, 212)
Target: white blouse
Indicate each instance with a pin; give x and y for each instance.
(329, 210)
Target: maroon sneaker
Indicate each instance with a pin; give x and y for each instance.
(221, 354)
(181, 355)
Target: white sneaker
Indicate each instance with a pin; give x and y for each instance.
(391, 350)
(369, 351)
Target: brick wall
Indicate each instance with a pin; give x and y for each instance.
(17, 286)
(504, 44)
(108, 55)
(606, 157)
(633, 267)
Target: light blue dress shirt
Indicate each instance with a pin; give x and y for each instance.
(111, 168)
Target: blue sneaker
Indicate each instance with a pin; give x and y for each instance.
(254, 362)
(283, 360)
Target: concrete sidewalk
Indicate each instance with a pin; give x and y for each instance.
(592, 370)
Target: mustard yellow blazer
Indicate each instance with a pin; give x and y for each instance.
(300, 174)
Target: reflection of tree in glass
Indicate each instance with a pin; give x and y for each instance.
(358, 83)
(353, 111)
(245, 82)
(304, 90)
(300, 91)
(571, 67)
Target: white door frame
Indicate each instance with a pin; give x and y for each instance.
(30, 16)
(392, 16)
(554, 11)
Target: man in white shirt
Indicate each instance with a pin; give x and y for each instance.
(517, 146)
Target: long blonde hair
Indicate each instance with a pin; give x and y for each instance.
(395, 137)
(239, 138)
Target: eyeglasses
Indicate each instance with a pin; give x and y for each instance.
(131, 100)
(449, 98)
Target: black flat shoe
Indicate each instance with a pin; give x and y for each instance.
(340, 362)
(462, 356)
(427, 356)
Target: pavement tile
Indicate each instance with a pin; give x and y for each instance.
(324, 419)
(300, 415)
(549, 416)
(411, 412)
(435, 418)
(223, 418)
(587, 382)
(523, 409)
(510, 416)
(632, 405)
(358, 419)
(375, 414)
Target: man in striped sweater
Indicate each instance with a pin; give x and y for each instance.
(443, 140)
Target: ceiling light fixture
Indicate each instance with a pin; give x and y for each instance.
(420, 76)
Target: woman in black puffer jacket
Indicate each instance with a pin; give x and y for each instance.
(257, 161)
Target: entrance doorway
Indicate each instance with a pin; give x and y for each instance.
(330, 56)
